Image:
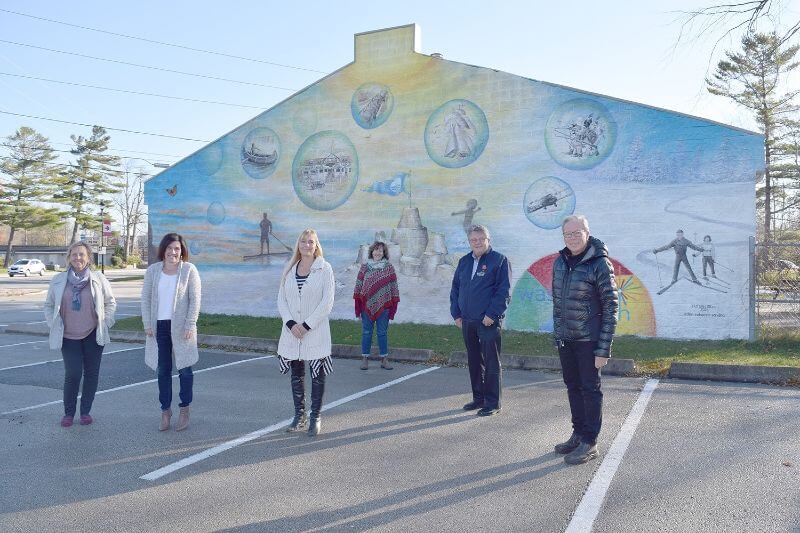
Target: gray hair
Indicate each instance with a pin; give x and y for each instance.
(576, 218)
(479, 228)
(89, 251)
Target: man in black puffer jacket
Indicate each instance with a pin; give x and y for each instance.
(585, 305)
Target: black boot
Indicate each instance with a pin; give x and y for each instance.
(299, 396)
(317, 390)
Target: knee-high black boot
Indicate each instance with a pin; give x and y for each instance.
(317, 390)
(299, 397)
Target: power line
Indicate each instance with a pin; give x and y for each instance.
(126, 151)
(73, 153)
(105, 127)
(129, 91)
(150, 67)
(162, 43)
(70, 165)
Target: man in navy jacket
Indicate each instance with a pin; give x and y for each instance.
(479, 298)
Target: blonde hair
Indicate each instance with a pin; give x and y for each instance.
(88, 248)
(296, 255)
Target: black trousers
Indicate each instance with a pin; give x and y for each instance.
(81, 360)
(583, 388)
(483, 355)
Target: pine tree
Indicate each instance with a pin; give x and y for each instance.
(94, 176)
(28, 181)
(752, 78)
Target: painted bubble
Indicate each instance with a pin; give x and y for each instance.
(456, 134)
(209, 159)
(215, 213)
(261, 151)
(325, 170)
(547, 201)
(580, 134)
(371, 105)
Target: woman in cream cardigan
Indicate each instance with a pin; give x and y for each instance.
(170, 307)
(305, 299)
(79, 310)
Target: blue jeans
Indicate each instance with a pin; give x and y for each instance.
(185, 376)
(366, 333)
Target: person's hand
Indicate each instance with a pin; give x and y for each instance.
(458, 323)
(299, 331)
(487, 321)
(655, 251)
(600, 362)
(188, 334)
(149, 332)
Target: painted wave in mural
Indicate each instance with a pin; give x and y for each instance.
(532, 302)
(580, 134)
(456, 134)
(325, 170)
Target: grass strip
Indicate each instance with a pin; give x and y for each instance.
(651, 355)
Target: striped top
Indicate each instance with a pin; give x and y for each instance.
(301, 280)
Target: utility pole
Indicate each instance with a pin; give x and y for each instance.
(102, 237)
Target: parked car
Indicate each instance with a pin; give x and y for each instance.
(26, 267)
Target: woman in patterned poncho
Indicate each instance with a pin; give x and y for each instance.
(376, 297)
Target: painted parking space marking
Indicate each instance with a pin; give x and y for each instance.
(131, 385)
(225, 446)
(21, 343)
(60, 360)
(589, 506)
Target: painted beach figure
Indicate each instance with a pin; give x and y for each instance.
(170, 306)
(79, 310)
(266, 229)
(305, 300)
(469, 214)
(376, 296)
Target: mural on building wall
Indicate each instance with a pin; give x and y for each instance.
(412, 149)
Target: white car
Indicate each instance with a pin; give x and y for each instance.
(26, 267)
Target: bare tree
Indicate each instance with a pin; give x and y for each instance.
(130, 206)
(727, 19)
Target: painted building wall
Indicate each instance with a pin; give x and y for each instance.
(414, 148)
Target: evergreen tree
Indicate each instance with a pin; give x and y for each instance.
(28, 181)
(752, 78)
(94, 176)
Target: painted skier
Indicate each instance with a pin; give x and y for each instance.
(680, 244)
(708, 256)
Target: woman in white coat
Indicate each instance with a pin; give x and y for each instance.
(170, 307)
(79, 310)
(305, 299)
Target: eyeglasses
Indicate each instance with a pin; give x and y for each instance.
(478, 240)
(573, 234)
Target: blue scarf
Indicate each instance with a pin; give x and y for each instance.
(77, 281)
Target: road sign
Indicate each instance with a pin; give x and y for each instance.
(102, 251)
(106, 228)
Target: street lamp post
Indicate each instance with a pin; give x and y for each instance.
(102, 238)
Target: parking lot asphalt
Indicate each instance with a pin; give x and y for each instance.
(396, 453)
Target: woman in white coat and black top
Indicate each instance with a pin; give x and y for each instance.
(305, 299)
(170, 307)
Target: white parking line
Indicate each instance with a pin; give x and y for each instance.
(128, 386)
(589, 507)
(21, 343)
(216, 450)
(59, 360)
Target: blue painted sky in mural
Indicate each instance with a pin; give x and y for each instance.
(595, 46)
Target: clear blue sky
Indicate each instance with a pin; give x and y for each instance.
(618, 48)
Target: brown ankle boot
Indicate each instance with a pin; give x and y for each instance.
(183, 419)
(165, 416)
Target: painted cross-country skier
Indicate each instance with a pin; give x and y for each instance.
(266, 229)
(680, 244)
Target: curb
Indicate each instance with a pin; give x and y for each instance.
(736, 373)
(615, 367)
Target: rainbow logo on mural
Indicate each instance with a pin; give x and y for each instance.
(532, 302)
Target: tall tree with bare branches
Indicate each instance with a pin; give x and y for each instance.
(130, 206)
(753, 79)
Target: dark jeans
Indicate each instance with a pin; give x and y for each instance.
(81, 358)
(382, 323)
(583, 388)
(483, 355)
(185, 376)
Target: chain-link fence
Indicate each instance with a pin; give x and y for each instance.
(776, 288)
